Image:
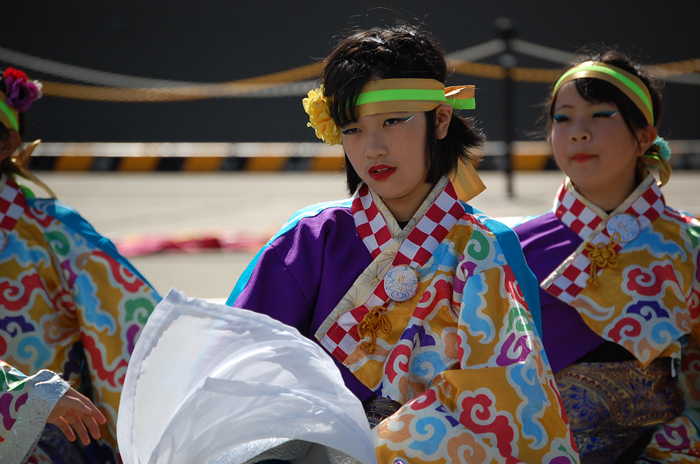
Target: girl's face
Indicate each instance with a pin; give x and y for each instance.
(389, 153)
(594, 147)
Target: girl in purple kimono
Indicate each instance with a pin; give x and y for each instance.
(618, 271)
(425, 303)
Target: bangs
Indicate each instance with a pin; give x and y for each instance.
(343, 86)
(599, 91)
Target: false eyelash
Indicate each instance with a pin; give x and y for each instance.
(607, 114)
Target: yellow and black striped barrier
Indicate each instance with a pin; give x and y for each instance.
(211, 157)
(191, 157)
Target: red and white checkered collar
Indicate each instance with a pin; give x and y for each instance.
(422, 241)
(12, 203)
(342, 337)
(584, 218)
(645, 204)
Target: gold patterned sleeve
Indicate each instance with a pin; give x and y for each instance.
(678, 440)
(499, 402)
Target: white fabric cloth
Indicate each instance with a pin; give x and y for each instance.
(208, 382)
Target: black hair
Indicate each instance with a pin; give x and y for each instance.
(599, 91)
(4, 131)
(402, 51)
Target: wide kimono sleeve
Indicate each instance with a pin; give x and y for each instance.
(499, 401)
(25, 404)
(304, 270)
(678, 441)
(101, 303)
(273, 289)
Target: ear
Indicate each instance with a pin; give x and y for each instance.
(443, 116)
(646, 137)
(9, 145)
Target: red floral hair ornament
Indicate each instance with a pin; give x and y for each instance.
(16, 96)
(17, 93)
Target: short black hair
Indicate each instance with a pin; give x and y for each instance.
(5, 133)
(402, 51)
(600, 91)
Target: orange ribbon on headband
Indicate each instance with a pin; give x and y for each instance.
(466, 181)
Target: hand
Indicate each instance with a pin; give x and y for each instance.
(75, 412)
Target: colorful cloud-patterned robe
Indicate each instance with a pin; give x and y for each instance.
(461, 357)
(69, 303)
(644, 303)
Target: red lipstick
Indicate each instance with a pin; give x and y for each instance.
(581, 157)
(381, 171)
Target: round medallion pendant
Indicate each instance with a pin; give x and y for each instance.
(401, 283)
(624, 224)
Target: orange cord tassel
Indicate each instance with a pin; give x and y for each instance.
(601, 256)
(374, 320)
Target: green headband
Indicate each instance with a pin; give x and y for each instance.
(415, 95)
(397, 95)
(8, 115)
(631, 85)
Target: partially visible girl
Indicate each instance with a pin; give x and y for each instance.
(618, 271)
(69, 303)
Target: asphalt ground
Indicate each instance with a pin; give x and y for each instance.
(125, 206)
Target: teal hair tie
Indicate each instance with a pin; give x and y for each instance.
(664, 149)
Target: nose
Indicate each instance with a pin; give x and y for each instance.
(376, 145)
(580, 132)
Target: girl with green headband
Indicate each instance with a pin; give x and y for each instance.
(69, 304)
(619, 271)
(424, 303)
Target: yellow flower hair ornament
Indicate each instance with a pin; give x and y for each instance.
(320, 119)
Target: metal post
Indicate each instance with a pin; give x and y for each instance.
(506, 31)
